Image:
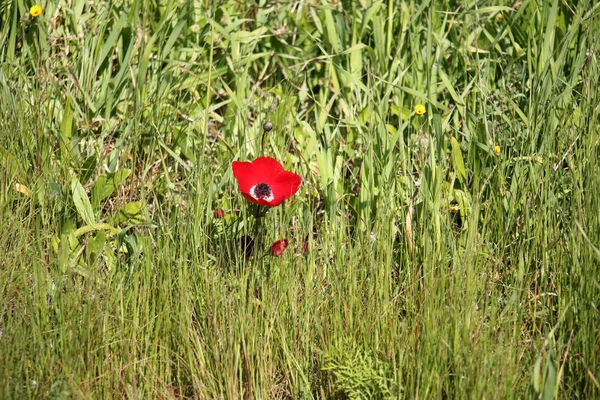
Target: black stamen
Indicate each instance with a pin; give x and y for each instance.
(262, 191)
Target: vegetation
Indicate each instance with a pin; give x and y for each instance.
(450, 159)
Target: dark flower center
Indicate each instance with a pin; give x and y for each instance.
(262, 191)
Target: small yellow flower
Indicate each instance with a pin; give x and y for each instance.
(497, 149)
(420, 109)
(35, 11)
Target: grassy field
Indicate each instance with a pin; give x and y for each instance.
(451, 253)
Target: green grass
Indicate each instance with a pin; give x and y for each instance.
(436, 267)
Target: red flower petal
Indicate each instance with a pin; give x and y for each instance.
(266, 166)
(260, 202)
(244, 175)
(249, 174)
(283, 184)
(278, 247)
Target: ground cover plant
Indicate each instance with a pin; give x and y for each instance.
(437, 234)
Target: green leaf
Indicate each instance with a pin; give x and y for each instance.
(173, 37)
(108, 255)
(491, 10)
(549, 36)
(183, 164)
(87, 169)
(111, 40)
(66, 126)
(368, 15)
(131, 213)
(82, 203)
(112, 164)
(350, 80)
(458, 162)
(536, 378)
(464, 204)
(96, 227)
(248, 37)
(550, 384)
(95, 245)
(450, 88)
(106, 184)
(332, 34)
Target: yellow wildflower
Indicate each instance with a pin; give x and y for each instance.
(497, 149)
(420, 109)
(35, 11)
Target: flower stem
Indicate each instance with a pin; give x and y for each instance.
(258, 216)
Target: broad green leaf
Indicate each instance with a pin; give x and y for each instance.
(95, 245)
(88, 169)
(106, 184)
(464, 205)
(349, 79)
(458, 162)
(109, 258)
(550, 384)
(549, 35)
(131, 244)
(112, 164)
(356, 58)
(82, 203)
(368, 15)
(110, 41)
(332, 34)
(66, 126)
(537, 378)
(96, 227)
(492, 9)
(172, 38)
(131, 213)
(355, 48)
(248, 37)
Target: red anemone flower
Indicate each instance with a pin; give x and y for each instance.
(278, 247)
(265, 182)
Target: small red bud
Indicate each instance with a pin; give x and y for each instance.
(305, 246)
(219, 213)
(278, 247)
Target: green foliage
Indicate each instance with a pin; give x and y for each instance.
(437, 266)
(357, 374)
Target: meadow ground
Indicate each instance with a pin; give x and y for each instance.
(444, 242)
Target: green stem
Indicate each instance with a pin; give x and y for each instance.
(258, 216)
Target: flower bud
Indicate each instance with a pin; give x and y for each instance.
(278, 247)
(268, 126)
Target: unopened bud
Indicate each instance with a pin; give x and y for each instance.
(268, 126)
